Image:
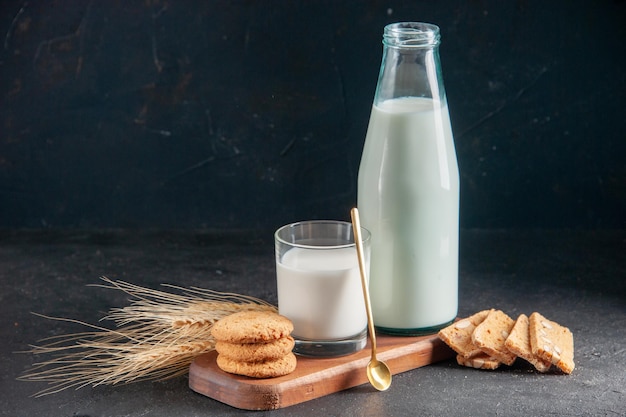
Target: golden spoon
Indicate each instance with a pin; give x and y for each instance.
(377, 371)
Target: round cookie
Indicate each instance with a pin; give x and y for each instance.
(251, 327)
(265, 369)
(255, 352)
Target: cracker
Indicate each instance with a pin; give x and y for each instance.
(252, 327)
(491, 334)
(255, 352)
(518, 343)
(458, 335)
(265, 369)
(480, 361)
(552, 342)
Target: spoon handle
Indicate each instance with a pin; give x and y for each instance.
(356, 226)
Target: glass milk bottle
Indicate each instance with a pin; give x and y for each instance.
(408, 187)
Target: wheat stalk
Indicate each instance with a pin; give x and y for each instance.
(156, 337)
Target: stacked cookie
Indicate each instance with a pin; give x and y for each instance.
(255, 344)
(490, 338)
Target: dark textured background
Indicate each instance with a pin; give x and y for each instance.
(252, 114)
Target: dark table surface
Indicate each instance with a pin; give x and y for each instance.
(577, 278)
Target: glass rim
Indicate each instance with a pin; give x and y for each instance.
(365, 235)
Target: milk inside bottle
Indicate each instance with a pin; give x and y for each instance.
(408, 188)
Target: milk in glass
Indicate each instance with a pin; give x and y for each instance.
(320, 291)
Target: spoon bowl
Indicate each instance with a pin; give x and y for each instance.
(378, 372)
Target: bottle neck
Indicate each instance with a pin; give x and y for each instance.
(410, 65)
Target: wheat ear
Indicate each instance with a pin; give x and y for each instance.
(156, 337)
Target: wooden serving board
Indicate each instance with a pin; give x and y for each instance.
(313, 378)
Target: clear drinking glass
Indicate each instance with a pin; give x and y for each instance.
(319, 286)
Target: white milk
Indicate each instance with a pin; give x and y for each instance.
(408, 197)
(320, 292)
